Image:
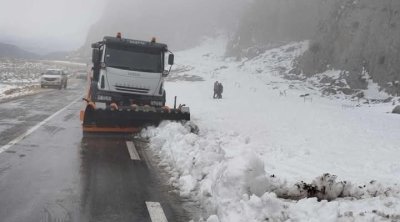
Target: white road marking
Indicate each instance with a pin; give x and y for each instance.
(156, 212)
(33, 129)
(132, 150)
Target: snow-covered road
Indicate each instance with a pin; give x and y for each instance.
(257, 142)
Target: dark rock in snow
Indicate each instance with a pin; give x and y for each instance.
(396, 109)
(347, 91)
(329, 91)
(388, 100)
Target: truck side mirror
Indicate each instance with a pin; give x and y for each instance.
(95, 45)
(171, 59)
(96, 56)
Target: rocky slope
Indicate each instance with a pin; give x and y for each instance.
(359, 36)
(268, 23)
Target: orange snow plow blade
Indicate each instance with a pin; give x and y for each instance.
(128, 119)
(94, 129)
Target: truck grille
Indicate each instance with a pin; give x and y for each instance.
(131, 89)
(50, 79)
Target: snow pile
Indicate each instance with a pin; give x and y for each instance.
(257, 145)
(204, 171)
(237, 188)
(373, 91)
(4, 88)
(12, 91)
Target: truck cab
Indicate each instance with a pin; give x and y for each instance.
(127, 71)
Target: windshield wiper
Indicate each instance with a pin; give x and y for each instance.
(146, 70)
(121, 67)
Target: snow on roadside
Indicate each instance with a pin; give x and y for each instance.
(8, 91)
(20, 77)
(255, 145)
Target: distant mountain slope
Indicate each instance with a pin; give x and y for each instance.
(57, 56)
(12, 51)
(15, 52)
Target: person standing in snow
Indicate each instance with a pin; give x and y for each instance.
(220, 90)
(215, 89)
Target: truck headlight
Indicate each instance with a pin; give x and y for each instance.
(156, 103)
(161, 89)
(104, 98)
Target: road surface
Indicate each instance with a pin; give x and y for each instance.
(50, 172)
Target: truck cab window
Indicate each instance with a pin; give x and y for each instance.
(134, 59)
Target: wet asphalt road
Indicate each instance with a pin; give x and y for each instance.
(56, 174)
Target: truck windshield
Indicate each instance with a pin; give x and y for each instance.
(133, 59)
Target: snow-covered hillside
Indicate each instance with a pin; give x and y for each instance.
(272, 141)
(21, 77)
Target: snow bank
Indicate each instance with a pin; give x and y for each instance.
(8, 91)
(237, 188)
(21, 77)
(256, 146)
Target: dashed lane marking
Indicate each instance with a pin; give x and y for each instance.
(156, 212)
(132, 150)
(33, 129)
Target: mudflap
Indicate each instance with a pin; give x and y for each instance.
(129, 120)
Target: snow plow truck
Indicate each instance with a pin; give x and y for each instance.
(126, 87)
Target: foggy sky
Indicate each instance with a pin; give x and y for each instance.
(179, 23)
(55, 25)
(62, 24)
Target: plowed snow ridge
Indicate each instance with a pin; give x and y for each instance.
(255, 132)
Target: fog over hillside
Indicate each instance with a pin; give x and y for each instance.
(12, 51)
(350, 35)
(267, 23)
(179, 23)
